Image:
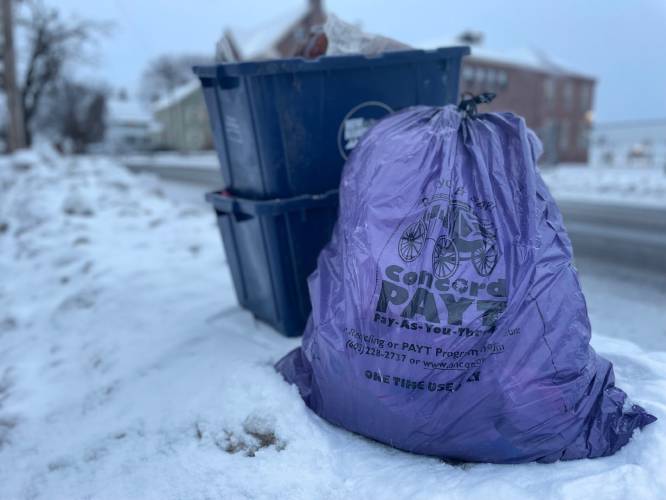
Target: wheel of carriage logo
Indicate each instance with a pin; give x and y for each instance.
(444, 258)
(412, 241)
(484, 257)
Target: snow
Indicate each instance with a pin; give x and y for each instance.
(527, 57)
(628, 185)
(128, 371)
(259, 41)
(521, 56)
(126, 111)
(633, 143)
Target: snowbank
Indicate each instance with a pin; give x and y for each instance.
(634, 186)
(127, 370)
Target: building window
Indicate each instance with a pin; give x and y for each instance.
(483, 79)
(468, 74)
(549, 90)
(502, 79)
(567, 95)
(480, 76)
(564, 135)
(586, 97)
(583, 137)
(491, 79)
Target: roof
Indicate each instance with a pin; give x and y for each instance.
(530, 58)
(176, 95)
(527, 58)
(260, 40)
(124, 111)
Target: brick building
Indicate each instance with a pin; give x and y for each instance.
(282, 36)
(556, 102)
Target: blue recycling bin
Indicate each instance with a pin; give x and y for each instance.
(284, 128)
(272, 248)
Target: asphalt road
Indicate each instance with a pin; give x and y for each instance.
(619, 253)
(627, 236)
(205, 176)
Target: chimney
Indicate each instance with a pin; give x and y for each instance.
(316, 6)
(470, 37)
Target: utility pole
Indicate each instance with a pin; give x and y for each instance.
(16, 128)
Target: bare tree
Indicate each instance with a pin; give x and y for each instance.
(52, 44)
(76, 114)
(167, 72)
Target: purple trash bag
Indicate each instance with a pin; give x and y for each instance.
(447, 317)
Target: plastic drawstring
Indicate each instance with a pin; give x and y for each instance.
(468, 106)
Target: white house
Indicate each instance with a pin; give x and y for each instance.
(183, 119)
(128, 127)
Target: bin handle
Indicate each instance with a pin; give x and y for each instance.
(237, 216)
(225, 81)
(232, 210)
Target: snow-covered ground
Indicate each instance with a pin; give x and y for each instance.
(127, 370)
(634, 186)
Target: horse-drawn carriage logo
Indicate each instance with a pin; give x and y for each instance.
(458, 235)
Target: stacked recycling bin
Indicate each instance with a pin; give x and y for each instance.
(283, 130)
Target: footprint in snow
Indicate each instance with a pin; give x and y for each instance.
(258, 432)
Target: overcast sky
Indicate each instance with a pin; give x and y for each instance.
(620, 42)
